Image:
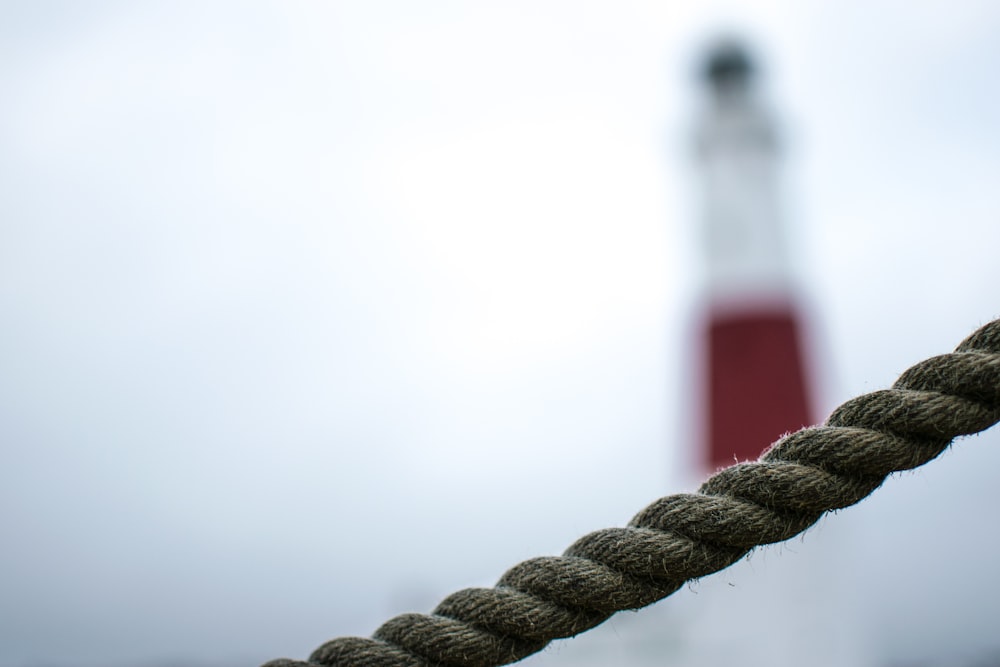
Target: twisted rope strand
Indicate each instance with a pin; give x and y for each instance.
(686, 536)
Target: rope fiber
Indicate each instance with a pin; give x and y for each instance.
(687, 536)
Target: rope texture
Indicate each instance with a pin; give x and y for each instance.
(686, 536)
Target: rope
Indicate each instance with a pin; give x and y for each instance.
(686, 536)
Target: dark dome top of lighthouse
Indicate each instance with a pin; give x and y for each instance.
(728, 64)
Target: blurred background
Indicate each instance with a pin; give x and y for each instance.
(313, 313)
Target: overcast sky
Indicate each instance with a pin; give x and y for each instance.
(315, 312)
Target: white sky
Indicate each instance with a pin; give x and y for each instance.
(316, 312)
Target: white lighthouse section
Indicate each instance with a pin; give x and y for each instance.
(738, 159)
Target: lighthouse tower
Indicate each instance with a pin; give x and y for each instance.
(771, 610)
(754, 369)
(756, 375)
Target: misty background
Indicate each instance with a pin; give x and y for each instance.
(313, 313)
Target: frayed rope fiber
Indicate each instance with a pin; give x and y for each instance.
(686, 536)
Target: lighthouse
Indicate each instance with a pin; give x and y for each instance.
(756, 384)
(755, 375)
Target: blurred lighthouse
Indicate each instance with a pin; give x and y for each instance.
(755, 370)
(757, 385)
(780, 612)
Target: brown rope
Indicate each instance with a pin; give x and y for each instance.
(686, 536)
